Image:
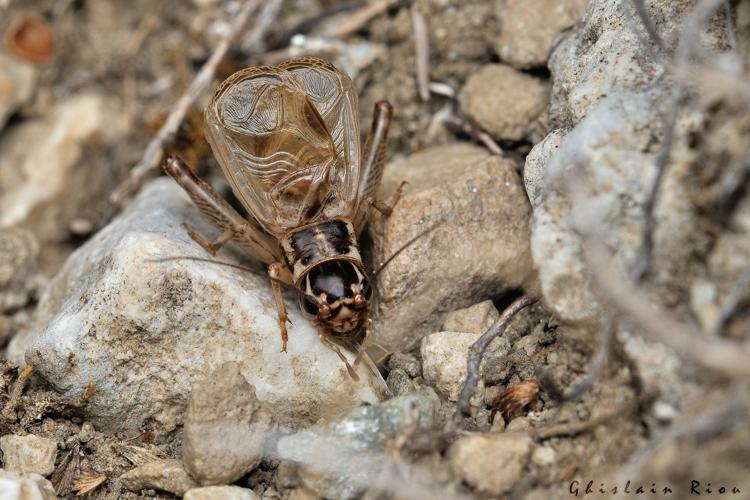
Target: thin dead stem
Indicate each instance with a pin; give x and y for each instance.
(731, 303)
(152, 155)
(632, 302)
(709, 422)
(476, 351)
(649, 222)
(360, 18)
(7, 414)
(422, 53)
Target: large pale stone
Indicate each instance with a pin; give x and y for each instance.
(145, 330)
(478, 248)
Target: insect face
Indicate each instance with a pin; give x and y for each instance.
(337, 294)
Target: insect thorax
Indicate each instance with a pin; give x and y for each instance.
(311, 245)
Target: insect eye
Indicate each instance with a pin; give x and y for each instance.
(364, 288)
(310, 306)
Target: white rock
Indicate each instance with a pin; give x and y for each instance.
(491, 463)
(544, 456)
(145, 331)
(475, 319)
(167, 475)
(15, 486)
(612, 146)
(220, 493)
(17, 80)
(444, 356)
(478, 249)
(40, 186)
(29, 453)
(225, 428)
(342, 458)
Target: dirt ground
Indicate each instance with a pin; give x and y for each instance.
(142, 54)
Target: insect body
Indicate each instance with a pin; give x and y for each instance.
(287, 138)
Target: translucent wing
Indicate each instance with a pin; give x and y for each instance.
(287, 138)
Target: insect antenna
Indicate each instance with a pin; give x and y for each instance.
(404, 247)
(232, 265)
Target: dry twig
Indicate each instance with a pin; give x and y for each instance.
(476, 132)
(360, 18)
(422, 53)
(598, 362)
(15, 395)
(731, 302)
(153, 153)
(476, 351)
(575, 428)
(710, 422)
(649, 222)
(720, 356)
(640, 9)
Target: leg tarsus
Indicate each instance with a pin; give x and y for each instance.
(387, 208)
(278, 274)
(209, 246)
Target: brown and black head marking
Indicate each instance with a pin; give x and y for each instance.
(328, 269)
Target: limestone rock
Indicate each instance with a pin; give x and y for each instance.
(504, 101)
(478, 246)
(225, 428)
(444, 356)
(475, 319)
(15, 486)
(42, 186)
(28, 454)
(145, 330)
(340, 459)
(528, 29)
(167, 475)
(491, 463)
(220, 493)
(605, 55)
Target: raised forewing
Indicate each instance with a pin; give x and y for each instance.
(287, 138)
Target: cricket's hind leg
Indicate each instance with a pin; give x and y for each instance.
(372, 172)
(234, 227)
(252, 240)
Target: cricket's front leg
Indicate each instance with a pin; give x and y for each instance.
(279, 274)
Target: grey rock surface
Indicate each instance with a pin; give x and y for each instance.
(444, 357)
(225, 427)
(17, 486)
(144, 331)
(474, 319)
(606, 54)
(340, 459)
(478, 248)
(28, 454)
